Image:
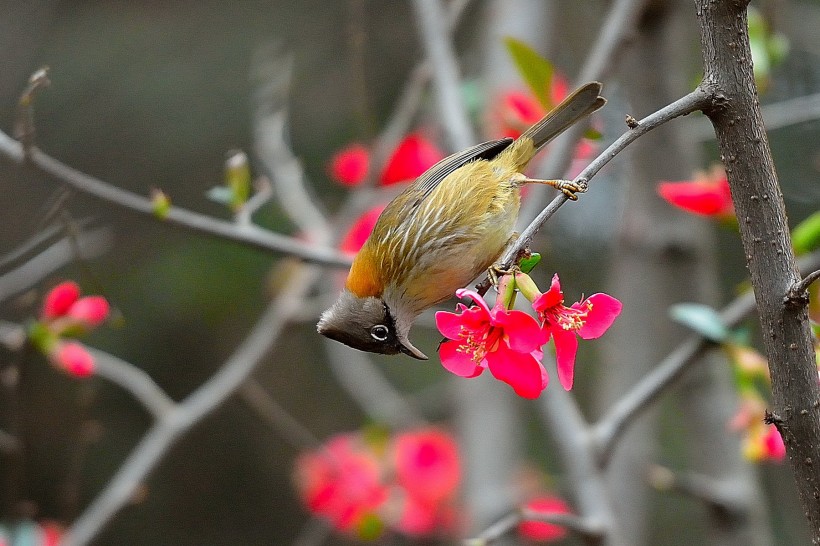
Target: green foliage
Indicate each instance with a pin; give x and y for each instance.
(806, 236)
(535, 69)
(528, 264)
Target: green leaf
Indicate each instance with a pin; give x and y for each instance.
(806, 236)
(370, 527)
(593, 134)
(535, 69)
(700, 318)
(527, 264)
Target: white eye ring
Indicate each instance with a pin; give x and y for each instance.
(379, 332)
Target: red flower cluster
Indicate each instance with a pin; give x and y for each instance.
(66, 314)
(362, 487)
(706, 195)
(414, 155)
(509, 342)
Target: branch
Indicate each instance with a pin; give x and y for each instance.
(435, 37)
(720, 497)
(609, 429)
(799, 291)
(369, 388)
(91, 244)
(578, 525)
(134, 380)
(175, 423)
(280, 421)
(696, 100)
(250, 235)
(744, 147)
(618, 24)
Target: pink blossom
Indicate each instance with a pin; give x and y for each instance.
(707, 194)
(427, 464)
(350, 165)
(414, 155)
(588, 319)
(341, 482)
(507, 342)
(59, 299)
(73, 358)
(541, 531)
(90, 311)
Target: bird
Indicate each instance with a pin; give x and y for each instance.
(445, 229)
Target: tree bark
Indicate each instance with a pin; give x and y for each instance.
(744, 147)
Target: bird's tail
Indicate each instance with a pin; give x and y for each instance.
(580, 103)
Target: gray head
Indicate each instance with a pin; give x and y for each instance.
(366, 324)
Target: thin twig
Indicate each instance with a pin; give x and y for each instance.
(367, 385)
(719, 495)
(250, 235)
(508, 523)
(272, 72)
(609, 429)
(800, 288)
(617, 26)
(435, 37)
(134, 380)
(281, 422)
(35, 241)
(175, 423)
(91, 244)
(687, 104)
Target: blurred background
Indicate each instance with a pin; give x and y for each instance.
(153, 94)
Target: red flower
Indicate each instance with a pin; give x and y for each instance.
(507, 342)
(341, 482)
(90, 311)
(538, 530)
(427, 464)
(589, 319)
(60, 299)
(773, 446)
(707, 195)
(73, 358)
(414, 155)
(360, 230)
(349, 166)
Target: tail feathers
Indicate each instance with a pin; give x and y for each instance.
(581, 103)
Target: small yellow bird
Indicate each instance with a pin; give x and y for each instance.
(443, 231)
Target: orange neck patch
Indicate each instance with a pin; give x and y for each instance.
(363, 281)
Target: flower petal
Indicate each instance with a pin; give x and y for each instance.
(523, 332)
(550, 298)
(475, 296)
(605, 309)
(566, 346)
(520, 371)
(458, 362)
(449, 324)
(414, 155)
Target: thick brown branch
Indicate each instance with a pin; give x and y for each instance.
(744, 148)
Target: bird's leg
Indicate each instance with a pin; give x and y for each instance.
(567, 187)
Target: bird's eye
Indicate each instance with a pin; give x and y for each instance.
(379, 332)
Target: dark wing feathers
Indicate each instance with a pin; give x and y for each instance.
(438, 172)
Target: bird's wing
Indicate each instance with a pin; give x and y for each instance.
(428, 181)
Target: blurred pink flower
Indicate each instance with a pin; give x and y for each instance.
(414, 155)
(349, 166)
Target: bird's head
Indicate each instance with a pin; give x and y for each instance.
(368, 324)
